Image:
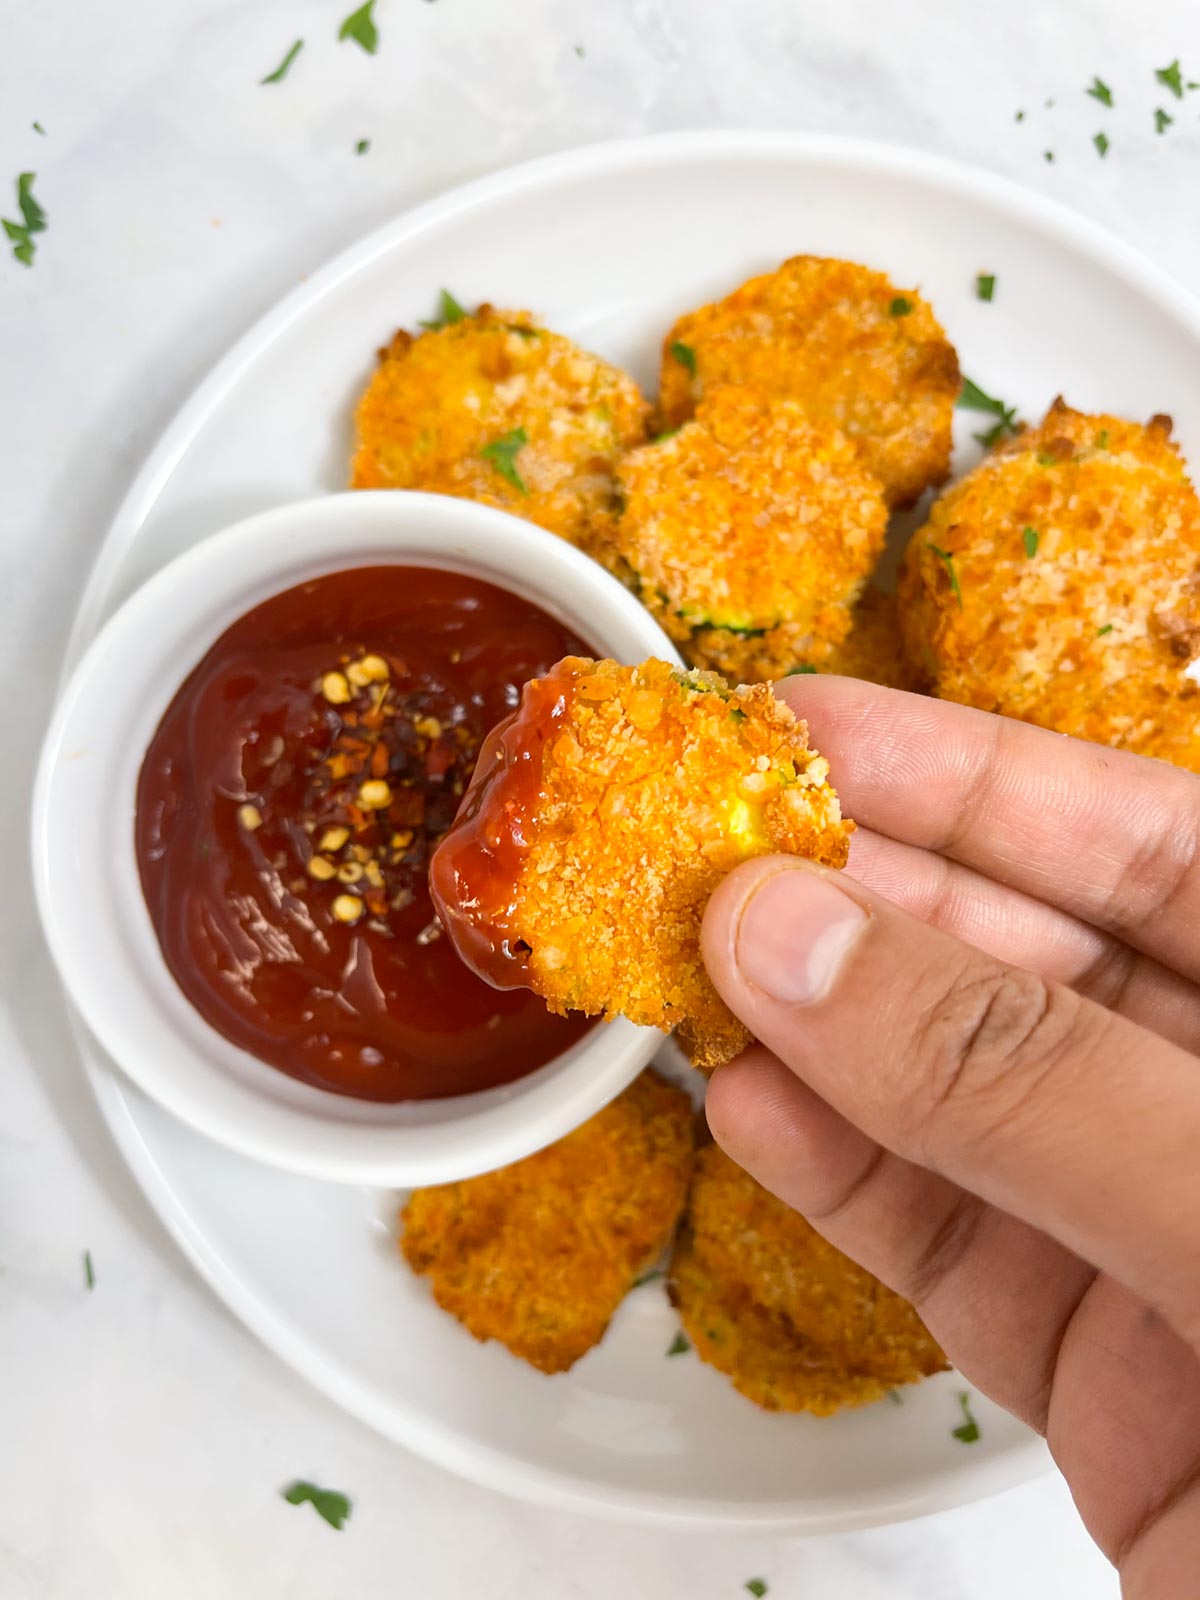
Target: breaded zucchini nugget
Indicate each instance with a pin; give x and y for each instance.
(856, 352)
(602, 816)
(1059, 582)
(750, 532)
(539, 1255)
(793, 1323)
(493, 407)
(873, 649)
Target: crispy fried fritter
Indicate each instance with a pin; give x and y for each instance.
(750, 532)
(602, 816)
(855, 351)
(873, 649)
(498, 409)
(793, 1323)
(1059, 582)
(540, 1254)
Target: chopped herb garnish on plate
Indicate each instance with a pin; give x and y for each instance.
(900, 306)
(1107, 628)
(1020, 117)
(895, 1397)
(1047, 155)
(1101, 439)
(1045, 459)
(89, 1272)
(684, 354)
(284, 67)
(804, 667)
(679, 1346)
(33, 220)
(1172, 78)
(756, 1587)
(327, 1503)
(973, 398)
(360, 26)
(37, 128)
(449, 311)
(361, 148)
(968, 1430)
(1161, 120)
(947, 560)
(1030, 538)
(503, 452)
(1100, 140)
(985, 286)
(580, 51)
(1099, 90)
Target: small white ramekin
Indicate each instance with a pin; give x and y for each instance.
(85, 866)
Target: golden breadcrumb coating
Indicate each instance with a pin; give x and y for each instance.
(873, 649)
(793, 1323)
(750, 532)
(539, 1255)
(631, 792)
(1059, 582)
(497, 409)
(856, 352)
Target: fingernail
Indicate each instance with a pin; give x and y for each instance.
(794, 935)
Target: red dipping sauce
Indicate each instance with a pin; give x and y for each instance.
(287, 809)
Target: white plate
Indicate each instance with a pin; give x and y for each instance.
(608, 244)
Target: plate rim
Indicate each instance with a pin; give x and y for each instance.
(457, 1453)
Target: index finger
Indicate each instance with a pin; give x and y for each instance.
(1110, 837)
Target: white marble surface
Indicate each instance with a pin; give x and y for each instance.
(143, 1434)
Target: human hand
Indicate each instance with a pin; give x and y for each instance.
(979, 1077)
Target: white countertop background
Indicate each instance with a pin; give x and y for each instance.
(143, 1433)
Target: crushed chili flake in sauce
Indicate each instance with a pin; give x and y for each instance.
(287, 810)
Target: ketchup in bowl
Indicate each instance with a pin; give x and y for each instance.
(288, 806)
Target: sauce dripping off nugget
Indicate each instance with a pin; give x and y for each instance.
(474, 874)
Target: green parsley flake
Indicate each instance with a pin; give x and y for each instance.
(1100, 140)
(37, 128)
(684, 354)
(1020, 117)
(327, 1503)
(985, 286)
(503, 452)
(900, 306)
(1047, 155)
(33, 220)
(947, 560)
(284, 67)
(793, 671)
(580, 51)
(1099, 90)
(895, 1397)
(361, 148)
(1101, 439)
(1172, 78)
(449, 311)
(973, 398)
(756, 1586)
(1107, 628)
(649, 1277)
(360, 26)
(679, 1346)
(1030, 538)
(1044, 459)
(1161, 120)
(89, 1274)
(968, 1431)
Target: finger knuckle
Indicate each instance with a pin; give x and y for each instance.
(985, 1049)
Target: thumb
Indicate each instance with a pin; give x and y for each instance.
(1039, 1101)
